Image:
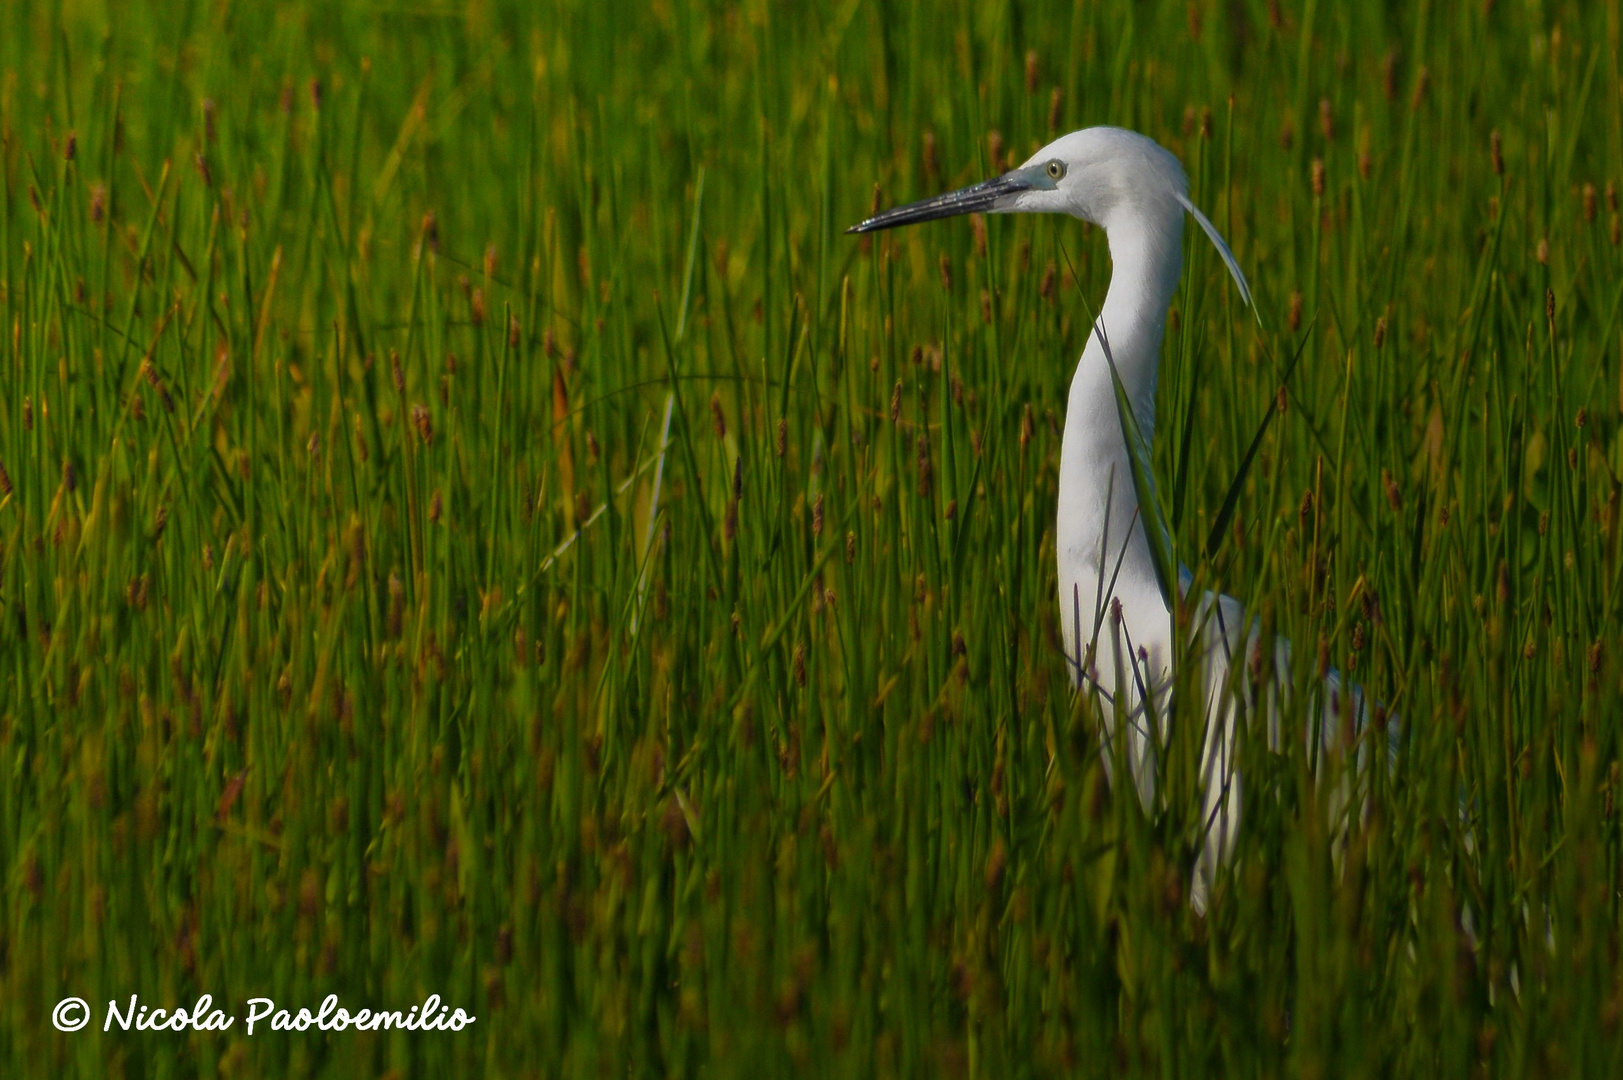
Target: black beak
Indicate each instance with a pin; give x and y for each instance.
(970, 200)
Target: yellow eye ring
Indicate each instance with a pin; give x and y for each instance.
(1056, 169)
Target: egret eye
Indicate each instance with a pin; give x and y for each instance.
(1056, 169)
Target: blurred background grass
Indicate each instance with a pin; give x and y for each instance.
(326, 325)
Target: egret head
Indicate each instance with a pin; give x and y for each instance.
(1099, 174)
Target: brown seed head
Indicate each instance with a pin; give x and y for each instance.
(1589, 203)
(1056, 98)
(423, 422)
(1294, 318)
(781, 444)
(946, 272)
(932, 165)
(1327, 120)
(1394, 497)
(718, 419)
(397, 604)
(1496, 152)
(817, 515)
(1031, 71)
(1318, 178)
(1380, 332)
(1422, 83)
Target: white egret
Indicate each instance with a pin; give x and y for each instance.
(1118, 626)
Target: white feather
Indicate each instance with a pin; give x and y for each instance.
(1222, 249)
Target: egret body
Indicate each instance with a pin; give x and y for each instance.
(1118, 626)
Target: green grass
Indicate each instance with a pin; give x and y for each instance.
(776, 769)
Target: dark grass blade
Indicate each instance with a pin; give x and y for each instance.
(1149, 501)
(1214, 539)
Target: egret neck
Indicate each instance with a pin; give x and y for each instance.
(1103, 553)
